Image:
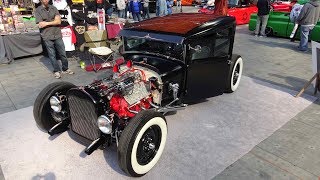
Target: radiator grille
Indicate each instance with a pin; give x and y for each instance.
(83, 115)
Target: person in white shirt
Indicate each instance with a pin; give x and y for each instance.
(121, 4)
(60, 4)
(210, 3)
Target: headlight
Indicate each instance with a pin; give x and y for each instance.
(104, 124)
(55, 104)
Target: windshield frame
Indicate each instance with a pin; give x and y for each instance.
(172, 38)
(133, 51)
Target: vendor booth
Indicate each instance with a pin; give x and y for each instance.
(19, 45)
(20, 35)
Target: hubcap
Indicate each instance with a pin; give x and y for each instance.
(149, 145)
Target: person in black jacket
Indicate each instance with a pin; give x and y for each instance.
(262, 17)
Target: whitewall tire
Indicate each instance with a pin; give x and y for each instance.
(142, 143)
(235, 74)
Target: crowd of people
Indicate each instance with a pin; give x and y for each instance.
(306, 20)
(139, 9)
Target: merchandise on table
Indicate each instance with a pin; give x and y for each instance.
(77, 1)
(79, 26)
(69, 38)
(101, 19)
(60, 4)
(14, 20)
(30, 24)
(91, 12)
(66, 17)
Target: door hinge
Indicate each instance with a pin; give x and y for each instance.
(229, 61)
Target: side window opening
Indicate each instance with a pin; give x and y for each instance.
(211, 46)
(205, 49)
(222, 42)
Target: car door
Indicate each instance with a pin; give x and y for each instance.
(208, 63)
(278, 24)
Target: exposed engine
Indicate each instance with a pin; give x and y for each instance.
(130, 90)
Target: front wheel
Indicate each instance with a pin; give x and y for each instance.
(142, 143)
(235, 74)
(43, 114)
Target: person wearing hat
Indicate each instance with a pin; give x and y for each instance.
(307, 19)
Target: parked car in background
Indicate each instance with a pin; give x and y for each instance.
(199, 2)
(279, 24)
(285, 6)
(241, 10)
(185, 2)
(169, 61)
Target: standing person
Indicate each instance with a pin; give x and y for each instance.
(163, 8)
(121, 5)
(157, 8)
(308, 18)
(136, 10)
(146, 13)
(169, 6)
(178, 4)
(263, 15)
(127, 10)
(294, 14)
(108, 8)
(48, 20)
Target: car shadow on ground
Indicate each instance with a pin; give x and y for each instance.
(111, 157)
(47, 176)
(286, 45)
(191, 102)
(294, 85)
(109, 152)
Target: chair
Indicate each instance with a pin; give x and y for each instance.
(97, 43)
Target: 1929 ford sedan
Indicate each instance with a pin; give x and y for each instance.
(168, 61)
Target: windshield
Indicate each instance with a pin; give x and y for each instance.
(173, 50)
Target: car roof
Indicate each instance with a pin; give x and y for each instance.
(182, 24)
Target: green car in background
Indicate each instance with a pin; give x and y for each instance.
(279, 24)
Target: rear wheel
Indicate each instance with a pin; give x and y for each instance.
(235, 74)
(43, 114)
(142, 143)
(268, 31)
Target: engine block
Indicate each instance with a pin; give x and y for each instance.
(138, 92)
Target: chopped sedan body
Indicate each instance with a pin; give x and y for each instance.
(169, 61)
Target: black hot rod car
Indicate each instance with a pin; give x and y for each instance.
(169, 61)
